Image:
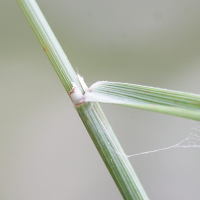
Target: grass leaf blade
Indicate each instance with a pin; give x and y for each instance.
(170, 102)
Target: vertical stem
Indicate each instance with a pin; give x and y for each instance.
(91, 114)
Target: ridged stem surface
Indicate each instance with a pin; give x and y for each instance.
(91, 114)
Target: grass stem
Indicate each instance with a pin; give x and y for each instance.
(91, 114)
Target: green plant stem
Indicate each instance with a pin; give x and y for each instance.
(91, 114)
(49, 43)
(111, 151)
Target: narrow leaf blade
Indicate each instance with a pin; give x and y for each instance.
(170, 102)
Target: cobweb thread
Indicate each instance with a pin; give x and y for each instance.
(193, 140)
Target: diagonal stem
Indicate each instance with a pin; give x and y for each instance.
(91, 114)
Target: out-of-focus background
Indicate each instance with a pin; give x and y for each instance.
(45, 151)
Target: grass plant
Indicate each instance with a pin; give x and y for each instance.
(86, 101)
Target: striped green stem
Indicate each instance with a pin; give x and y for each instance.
(91, 114)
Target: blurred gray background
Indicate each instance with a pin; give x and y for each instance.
(45, 151)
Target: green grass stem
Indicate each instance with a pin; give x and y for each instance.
(91, 114)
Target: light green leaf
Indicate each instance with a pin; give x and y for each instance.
(170, 102)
